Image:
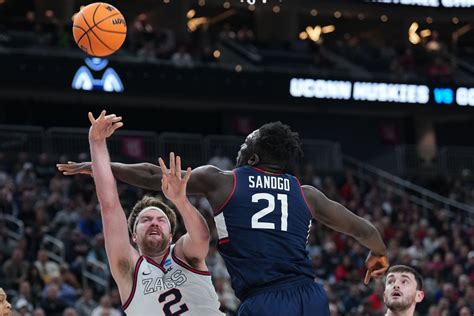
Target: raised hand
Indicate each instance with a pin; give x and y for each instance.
(172, 184)
(376, 267)
(104, 126)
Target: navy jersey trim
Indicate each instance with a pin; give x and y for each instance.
(304, 198)
(188, 267)
(134, 287)
(267, 172)
(219, 210)
(224, 241)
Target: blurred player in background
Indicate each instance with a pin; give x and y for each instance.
(263, 216)
(160, 278)
(403, 290)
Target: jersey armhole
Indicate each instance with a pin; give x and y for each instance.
(187, 266)
(304, 198)
(219, 210)
(134, 287)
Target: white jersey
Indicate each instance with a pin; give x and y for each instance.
(171, 288)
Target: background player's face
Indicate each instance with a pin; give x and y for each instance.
(246, 150)
(400, 291)
(153, 231)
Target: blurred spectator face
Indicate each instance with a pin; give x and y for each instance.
(401, 291)
(69, 312)
(25, 288)
(38, 312)
(465, 311)
(105, 302)
(17, 255)
(433, 311)
(52, 293)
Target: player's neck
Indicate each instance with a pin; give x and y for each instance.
(408, 312)
(272, 168)
(156, 256)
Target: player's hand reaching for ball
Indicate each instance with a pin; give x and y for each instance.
(104, 126)
(172, 183)
(376, 267)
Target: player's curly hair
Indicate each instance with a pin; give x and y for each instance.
(148, 201)
(276, 142)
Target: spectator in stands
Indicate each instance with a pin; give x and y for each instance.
(86, 303)
(66, 293)
(25, 297)
(105, 308)
(46, 267)
(15, 269)
(219, 160)
(52, 304)
(90, 224)
(38, 312)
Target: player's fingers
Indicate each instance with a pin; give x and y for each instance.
(178, 167)
(379, 272)
(187, 175)
(117, 126)
(71, 162)
(91, 117)
(367, 277)
(172, 163)
(109, 117)
(116, 119)
(102, 114)
(164, 170)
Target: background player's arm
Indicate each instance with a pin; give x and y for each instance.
(120, 253)
(194, 245)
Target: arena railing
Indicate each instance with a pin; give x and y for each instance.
(455, 160)
(54, 248)
(14, 228)
(420, 196)
(96, 272)
(18, 138)
(126, 145)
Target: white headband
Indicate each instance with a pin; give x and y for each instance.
(147, 209)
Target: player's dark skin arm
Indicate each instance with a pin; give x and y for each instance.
(210, 181)
(337, 217)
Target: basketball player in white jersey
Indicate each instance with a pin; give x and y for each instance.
(158, 278)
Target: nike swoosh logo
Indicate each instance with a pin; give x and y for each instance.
(146, 273)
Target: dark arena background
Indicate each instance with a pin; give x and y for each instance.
(381, 93)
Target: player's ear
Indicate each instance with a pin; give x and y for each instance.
(253, 160)
(420, 295)
(134, 237)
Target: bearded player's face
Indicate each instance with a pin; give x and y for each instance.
(401, 291)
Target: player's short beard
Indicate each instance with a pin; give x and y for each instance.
(150, 247)
(401, 305)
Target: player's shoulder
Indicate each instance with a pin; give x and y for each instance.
(212, 170)
(311, 193)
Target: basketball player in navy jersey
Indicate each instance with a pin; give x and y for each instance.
(263, 216)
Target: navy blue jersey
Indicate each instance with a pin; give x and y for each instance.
(263, 228)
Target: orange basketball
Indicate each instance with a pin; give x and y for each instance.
(99, 29)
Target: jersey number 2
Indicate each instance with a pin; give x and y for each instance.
(283, 198)
(176, 299)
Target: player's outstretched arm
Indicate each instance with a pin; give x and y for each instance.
(194, 245)
(148, 175)
(120, 253)
(339, 218)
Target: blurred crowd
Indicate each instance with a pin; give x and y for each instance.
(147, 40)
(65, 207)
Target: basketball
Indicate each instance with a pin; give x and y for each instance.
(99, 29)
